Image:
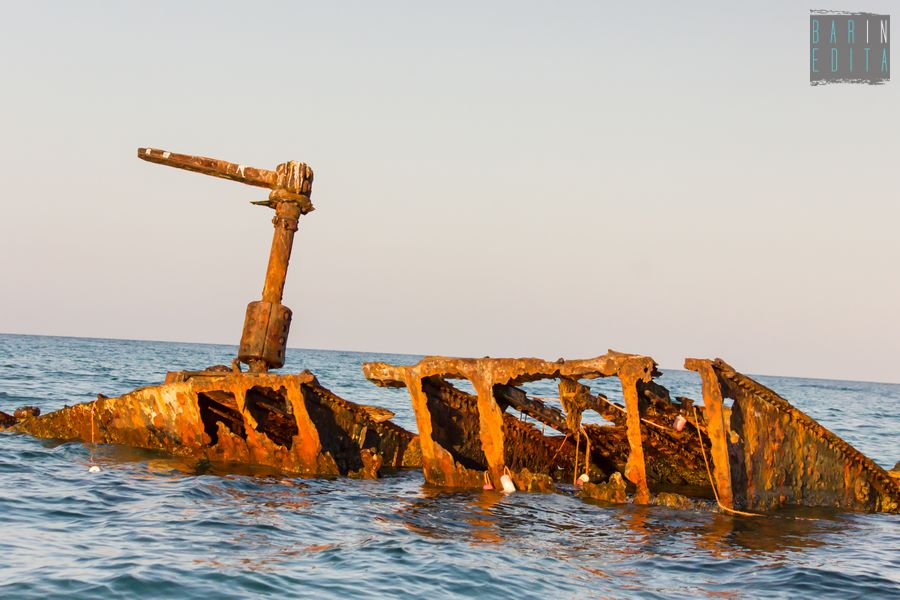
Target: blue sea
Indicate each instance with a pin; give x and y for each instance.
(149, 525)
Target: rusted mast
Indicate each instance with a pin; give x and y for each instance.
(267, 321)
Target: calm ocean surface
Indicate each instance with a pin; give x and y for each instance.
(153, 526)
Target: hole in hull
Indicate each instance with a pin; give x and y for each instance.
(220, 407)
(273, 414)
(455, 425)
(333, 425)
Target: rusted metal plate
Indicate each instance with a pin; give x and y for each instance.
(777, 455)
(286, 421)
(7, 420)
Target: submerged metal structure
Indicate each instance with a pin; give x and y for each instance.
(763, 452)
(465, 437)
(768, 453)
(221, 413)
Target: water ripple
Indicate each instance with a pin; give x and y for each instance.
(157, 526)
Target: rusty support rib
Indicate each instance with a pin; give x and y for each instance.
(715, 422)
(490, 419)
(635, 469)
(430, 458)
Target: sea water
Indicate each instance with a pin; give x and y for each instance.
(156, 526)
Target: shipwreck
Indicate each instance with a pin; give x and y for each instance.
(223, 413)
(757, 453)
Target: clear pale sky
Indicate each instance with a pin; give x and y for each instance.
(504, 179)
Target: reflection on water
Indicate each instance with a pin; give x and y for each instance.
(160, 526)
(486, 517)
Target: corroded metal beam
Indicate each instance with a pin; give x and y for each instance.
(509, 371)
(508, 395)
(291, 180)
(267, 321)
(636, 469)
(716, 428)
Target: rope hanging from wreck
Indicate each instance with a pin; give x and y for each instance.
(643, 420)
(93, 468)
(709, 474)
(587, 456)
(563, 443)
(587, 451)
(575, 470)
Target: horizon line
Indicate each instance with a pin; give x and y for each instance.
(664, 368)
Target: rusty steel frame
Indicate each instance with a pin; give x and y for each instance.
(765, 453)
(485, 374)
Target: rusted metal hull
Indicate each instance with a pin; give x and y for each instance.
(289, 422)
(764, 452)
(771, 454)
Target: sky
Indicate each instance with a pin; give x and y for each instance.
(491, 178)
